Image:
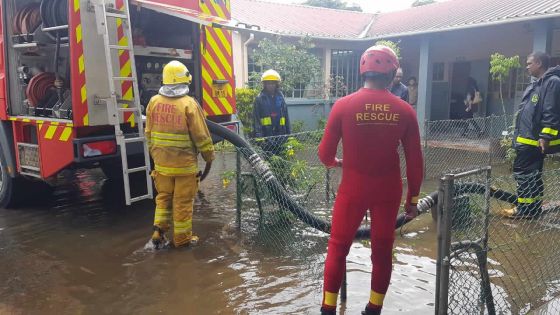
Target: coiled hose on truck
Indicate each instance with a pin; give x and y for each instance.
(283, 197)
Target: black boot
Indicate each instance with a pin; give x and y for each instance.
(369, 311)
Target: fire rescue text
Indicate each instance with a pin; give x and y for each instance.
(377, 113)
(165, 114)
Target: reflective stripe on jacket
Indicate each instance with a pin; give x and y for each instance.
(176, 132)
(270, 115)
(538, 116)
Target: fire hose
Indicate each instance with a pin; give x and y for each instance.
(39, 88)
(283, 197)
(27, 19)
(55, 13)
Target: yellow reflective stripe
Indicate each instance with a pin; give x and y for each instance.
(414, 199)
(162, 211)
(170, 136)
(330, 298)
(266, 121)
(527, 141)
(528, 200)
(550, 131)
(554, 142)
(182, 226)
(376, 298)
(206, 145)
(176, 170)
(282, 121)
(170, 143)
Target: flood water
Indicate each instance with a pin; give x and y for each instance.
(81, 252)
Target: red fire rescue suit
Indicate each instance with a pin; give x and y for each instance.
(371, 124)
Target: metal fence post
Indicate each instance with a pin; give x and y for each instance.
(483, 261)
(426, 134)
(445, 206)
(490, 129)
(344, 287)
(328, 185)
(238, 188)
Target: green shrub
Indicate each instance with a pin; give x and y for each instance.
(245, 99)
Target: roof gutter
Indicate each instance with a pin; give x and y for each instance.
(470, 26)
(405, 34)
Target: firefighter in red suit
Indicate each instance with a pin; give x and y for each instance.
(371, 123)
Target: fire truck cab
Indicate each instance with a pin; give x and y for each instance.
(76, 76)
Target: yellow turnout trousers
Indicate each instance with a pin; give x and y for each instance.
(175, 194)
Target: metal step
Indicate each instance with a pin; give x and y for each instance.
(129, 109)
(137, 169)
(136, 139)
(118, 47)
(117, 15)
(143, 197)
(131, 79)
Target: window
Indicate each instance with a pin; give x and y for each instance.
(438, 71)
(345, 72)
(252, 68)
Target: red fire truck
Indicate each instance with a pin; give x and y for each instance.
(76, 75)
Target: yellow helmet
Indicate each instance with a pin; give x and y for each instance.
(270, 75)
(176, 73)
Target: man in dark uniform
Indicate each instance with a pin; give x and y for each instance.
(536, 133)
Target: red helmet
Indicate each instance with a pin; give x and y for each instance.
(380, 59)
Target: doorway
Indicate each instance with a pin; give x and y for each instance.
(459, 80)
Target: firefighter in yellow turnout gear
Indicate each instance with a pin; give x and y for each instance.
(176, 132)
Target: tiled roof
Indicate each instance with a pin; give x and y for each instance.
(459, 14)
(299, 20)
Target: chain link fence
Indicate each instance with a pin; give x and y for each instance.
(460, 144)
(490, 262)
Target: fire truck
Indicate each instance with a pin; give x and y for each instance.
(76, 76)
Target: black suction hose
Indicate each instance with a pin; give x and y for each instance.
(281, 195)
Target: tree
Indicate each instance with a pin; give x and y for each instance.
(393, 45)
(333, 4)
(419, 3)
(294, 62)
(500, 69)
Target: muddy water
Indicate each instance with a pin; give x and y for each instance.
(81, 252)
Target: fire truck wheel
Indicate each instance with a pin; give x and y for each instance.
(11, 192)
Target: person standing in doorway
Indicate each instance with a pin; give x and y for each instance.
(472, 100)
(270, 114)
(371, 123)
(176, 133)
(537, 123)
(412, 85)
(398, 88)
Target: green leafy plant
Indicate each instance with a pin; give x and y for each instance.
(500, 69)
(293, 61)
(393, 45)
(227, 177)
(245, 99)
(297, 126)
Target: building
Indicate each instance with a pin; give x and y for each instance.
(442, 44)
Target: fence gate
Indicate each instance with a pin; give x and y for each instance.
(462, 281)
